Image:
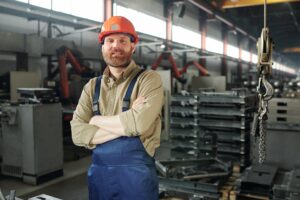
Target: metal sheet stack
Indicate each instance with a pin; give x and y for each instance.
(227, 116)
(184, 126)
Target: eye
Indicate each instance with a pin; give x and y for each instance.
(109, 40)
(123, 41)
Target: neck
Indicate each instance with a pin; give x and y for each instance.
(116, 72)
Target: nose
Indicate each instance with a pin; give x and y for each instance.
(116, 43)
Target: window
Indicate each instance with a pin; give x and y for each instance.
(288, 70)
(245, 55)
(214, 45)
(283, 68)
(89, 9)
(25, 1)
(232, 51)
(275, 66)
(142, 22)
(185, 36)
(254, 58)
(41, 3)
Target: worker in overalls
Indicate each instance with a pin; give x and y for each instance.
(119, 117)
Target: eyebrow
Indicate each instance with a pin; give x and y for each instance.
(121, 37)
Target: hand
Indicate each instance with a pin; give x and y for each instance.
(139, 102)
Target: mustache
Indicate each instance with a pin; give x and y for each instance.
(116, 50)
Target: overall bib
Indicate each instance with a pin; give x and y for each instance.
(121, 169)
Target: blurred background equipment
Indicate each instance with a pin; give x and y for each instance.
(32, 138)
(213, 77)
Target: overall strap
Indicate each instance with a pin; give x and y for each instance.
(96, 109)
(126, 99)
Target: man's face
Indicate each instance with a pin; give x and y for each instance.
(117, 50)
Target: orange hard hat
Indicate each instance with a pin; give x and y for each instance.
(118, 24)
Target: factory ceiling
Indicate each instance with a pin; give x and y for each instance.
(283, 20)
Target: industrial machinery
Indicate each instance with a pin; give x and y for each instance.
(69, 87)
(65, 56)
(176, 72)
(32, 137)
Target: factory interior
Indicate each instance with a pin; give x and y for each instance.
(231, 79)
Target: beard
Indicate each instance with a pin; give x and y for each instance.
(117, 57)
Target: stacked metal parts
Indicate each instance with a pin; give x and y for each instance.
(187, 175)
(226, 115)
(258, 181)
(193, 179)
(184, 126)
(267, 181)
(287, 186)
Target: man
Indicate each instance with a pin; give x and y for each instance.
(118, 116)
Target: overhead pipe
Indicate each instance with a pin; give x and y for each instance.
(223, 19)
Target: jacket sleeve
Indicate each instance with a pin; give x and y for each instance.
(82, 131)
(137, 121)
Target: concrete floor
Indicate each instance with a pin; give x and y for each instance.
(72, 182)
(71, 186)
(74, 188)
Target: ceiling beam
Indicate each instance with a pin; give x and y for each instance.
(219, 15)
(245, 3)
(292, 50)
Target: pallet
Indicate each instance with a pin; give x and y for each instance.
(228, 190)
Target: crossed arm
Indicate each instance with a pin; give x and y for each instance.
(110, 127)
(89, 131)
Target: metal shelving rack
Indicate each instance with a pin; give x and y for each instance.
(184, 133)
(228, 116)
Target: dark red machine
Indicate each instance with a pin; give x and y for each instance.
(176, 72)
(65, 56)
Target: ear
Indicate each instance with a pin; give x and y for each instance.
(133, 48)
